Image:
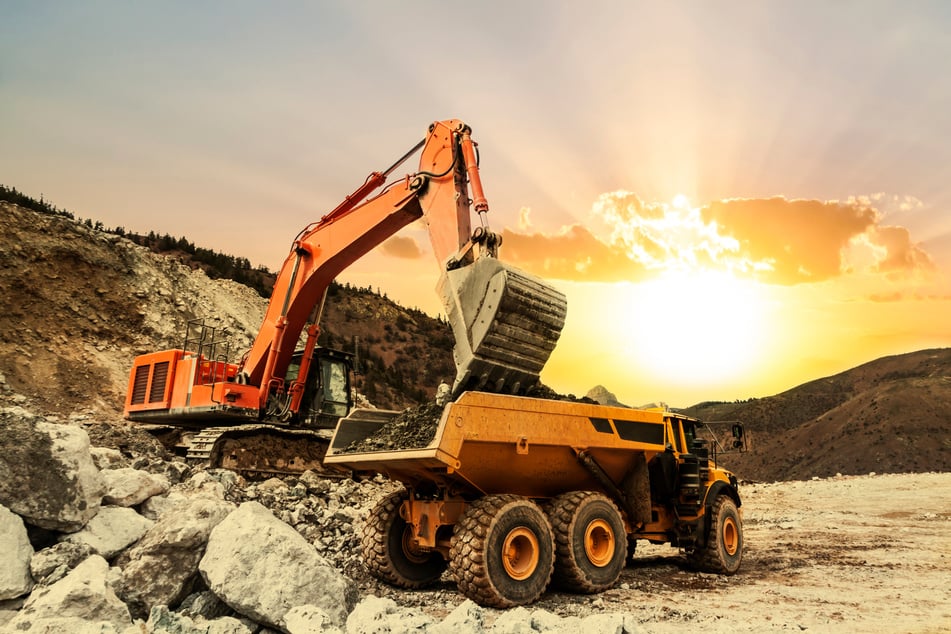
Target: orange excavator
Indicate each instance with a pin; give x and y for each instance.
(505, 322)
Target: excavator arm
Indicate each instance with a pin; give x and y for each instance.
(505, 322)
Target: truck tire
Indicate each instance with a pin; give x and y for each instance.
(388, 551)
(724, 549)
(502, 551)
(590, 541)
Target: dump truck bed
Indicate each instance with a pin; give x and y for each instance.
(492, 443)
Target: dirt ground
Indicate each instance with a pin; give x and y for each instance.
(846, 554)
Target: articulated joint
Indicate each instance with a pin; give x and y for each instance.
(419, 183)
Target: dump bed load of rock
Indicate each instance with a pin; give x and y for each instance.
(494, 443)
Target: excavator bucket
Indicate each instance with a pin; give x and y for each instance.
(505, 322)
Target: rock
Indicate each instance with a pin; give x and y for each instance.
(112, 530)
(9, 610)
(262, 568)
(107, 458)
(204, 604)
(52, 564)
(161, 568)
(467, 617)
(309, 619)
(514, 621)
(47, 475)
(15, 555)
(163, 620)
(374, 614)
(80, 602)
(128, 487)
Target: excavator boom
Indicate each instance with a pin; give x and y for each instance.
(505, 322)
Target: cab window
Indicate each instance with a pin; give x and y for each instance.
(334, 381)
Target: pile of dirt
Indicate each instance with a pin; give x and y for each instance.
(413, 428)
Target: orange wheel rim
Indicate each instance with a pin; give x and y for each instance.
(731, 536)
(520, 553)
(599, 543)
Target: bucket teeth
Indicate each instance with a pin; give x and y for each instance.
(505, 322)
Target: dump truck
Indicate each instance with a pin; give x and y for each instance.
(513, 493)
(505, 321)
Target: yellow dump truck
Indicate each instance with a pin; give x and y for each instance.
(513, 493)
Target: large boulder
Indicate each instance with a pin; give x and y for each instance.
(263, 568)
(128, 487)
(161, 568)
(82, 601)
(112, 530)
(47, 475)
(15, 555)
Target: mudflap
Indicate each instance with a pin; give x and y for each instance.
(505, 322)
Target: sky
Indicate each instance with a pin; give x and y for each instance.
(736, 197)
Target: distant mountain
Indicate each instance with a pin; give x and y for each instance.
(601, 394)
(891, 415)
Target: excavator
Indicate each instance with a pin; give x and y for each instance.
(264, 413)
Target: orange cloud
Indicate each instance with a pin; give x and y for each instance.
(901, 255)
(573, 254)
(797, 240)
(807, 240)
(402, 247)
(774, 240)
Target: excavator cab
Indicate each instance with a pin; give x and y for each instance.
(327, 392)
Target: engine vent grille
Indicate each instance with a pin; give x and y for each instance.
(159, 380)
(140, 384)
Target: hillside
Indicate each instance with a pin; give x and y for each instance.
(889, 415)
(80, 303)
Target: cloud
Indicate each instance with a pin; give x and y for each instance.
(901, 256)
(773, 240)
(402, 247)
(794, 241)
(572, 254)
(797, 241)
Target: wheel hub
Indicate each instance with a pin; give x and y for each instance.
(520, 553)
(731, 536)
(599, 543)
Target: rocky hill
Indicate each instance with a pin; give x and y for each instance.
(890, 415)
(80, 303)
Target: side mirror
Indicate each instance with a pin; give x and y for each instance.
(737, 431)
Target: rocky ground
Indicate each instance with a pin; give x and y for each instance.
(118, 538)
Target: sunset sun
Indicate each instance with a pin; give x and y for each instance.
(696, 326)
